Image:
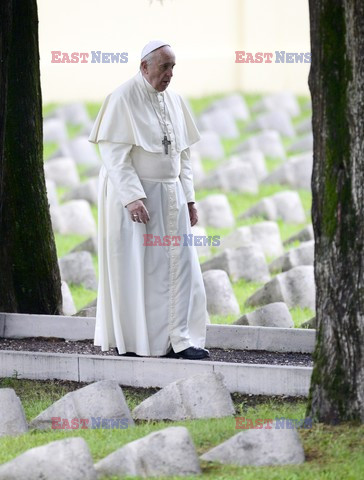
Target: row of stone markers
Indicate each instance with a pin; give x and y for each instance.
(73, 215)
(273, 113)
(242, 172)
(170, 451)
(246, 250)
(243, 256)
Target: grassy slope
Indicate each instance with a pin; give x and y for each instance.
(331, 452)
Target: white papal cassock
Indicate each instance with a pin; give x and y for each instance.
(149, 297)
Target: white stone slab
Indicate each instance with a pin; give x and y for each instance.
(68, 305)
(257, 161)
(75, 217)
(155, 372)
(220, 121)
(302, 144)
(62, 171)
(232, 176)
(278, 120)
(284, 100)
(54, 130)
(74, 113)
(215, 211)
(235, 104)
(295, 172)
(38, 365)
(269, 142)
(210, 146)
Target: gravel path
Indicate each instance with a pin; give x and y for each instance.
(216, 354)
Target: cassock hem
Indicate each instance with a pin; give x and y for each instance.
(179, 346)
(131, 350)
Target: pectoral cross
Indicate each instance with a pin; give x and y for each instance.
(166, 142)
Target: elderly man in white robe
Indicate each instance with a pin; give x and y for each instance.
(151, 296)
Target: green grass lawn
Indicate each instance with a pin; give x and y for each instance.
(332, 453)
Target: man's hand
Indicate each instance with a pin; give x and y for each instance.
(138, 212)
(193, 213)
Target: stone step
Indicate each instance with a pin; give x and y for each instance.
(239, 337)
(154, 372)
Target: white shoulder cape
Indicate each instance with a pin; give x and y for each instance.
(127, 116)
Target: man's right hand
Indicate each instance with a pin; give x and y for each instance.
(138, 212)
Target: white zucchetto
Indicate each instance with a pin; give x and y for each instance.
(151, 46)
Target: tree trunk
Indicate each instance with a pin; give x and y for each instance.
(30, 278)
(336, 83)
(6, 294)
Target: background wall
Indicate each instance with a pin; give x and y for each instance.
(203, 33)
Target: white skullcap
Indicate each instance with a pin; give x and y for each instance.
(151, 46)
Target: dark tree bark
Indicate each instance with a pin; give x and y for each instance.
(336, 82)
(6, 295)
(30, 279)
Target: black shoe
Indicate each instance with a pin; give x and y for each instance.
(193, 353)
(127, 354)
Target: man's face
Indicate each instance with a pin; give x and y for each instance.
(160, 72)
